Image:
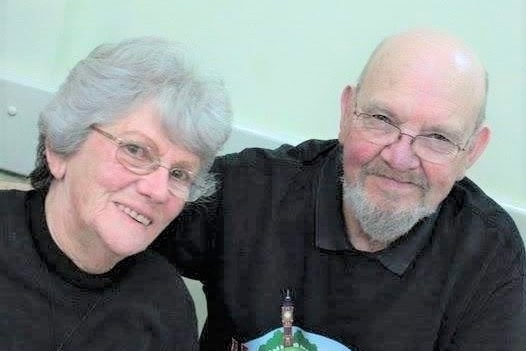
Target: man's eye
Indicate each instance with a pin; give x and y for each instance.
(438, 137)
(181, 175)
(136, 151)
(382, 118)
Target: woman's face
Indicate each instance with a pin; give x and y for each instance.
(108, 207)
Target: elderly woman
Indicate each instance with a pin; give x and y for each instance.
(124, 144)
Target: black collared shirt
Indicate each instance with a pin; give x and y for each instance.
(330, 226)
(455, 282)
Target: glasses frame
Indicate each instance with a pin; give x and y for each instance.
(413, 137)
(177, 189)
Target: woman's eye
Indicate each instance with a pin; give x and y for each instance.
(136, 151)
(180, 175)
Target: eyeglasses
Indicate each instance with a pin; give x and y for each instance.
(141, 159)
(378, 129)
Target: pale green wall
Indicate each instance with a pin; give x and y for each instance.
(285, 62)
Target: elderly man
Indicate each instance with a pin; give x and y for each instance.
(378, 238)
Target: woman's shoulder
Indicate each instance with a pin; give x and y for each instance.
(152, 268)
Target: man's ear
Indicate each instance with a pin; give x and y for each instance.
(346, 111)
(476, 148)
(56, 163)
(478, 145)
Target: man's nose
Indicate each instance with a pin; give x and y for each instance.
(400, 155)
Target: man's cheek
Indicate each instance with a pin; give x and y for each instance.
(360, 153)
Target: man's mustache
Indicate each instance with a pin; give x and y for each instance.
(379, 168)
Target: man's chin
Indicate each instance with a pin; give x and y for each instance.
(393, 205)
(393, 199)
(384, 219)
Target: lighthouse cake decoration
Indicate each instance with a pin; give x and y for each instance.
(287, 318)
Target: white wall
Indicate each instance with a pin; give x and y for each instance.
(285, 62)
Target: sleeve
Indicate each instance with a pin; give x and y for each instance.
(180, 323)
(189, 240)
(496, 316)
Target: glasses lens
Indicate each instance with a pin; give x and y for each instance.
(376, 130)
(179, 190)
(136, 158)
(434, 150)
(140, 160)
(180, 182)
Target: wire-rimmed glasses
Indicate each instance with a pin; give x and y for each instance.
(141, 159)
(378, 129)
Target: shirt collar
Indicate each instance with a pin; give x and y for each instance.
(330, 226)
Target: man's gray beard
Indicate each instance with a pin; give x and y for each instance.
(381, 225)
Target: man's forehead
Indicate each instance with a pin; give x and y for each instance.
(427, 57)
(413, 85)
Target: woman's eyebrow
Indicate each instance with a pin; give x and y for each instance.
(138, 136)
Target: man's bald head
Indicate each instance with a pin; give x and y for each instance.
(429, 56)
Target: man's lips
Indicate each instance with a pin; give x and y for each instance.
(398, 183)
(384, 171)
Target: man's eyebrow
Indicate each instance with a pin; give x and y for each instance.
(379, 108)
(454, 135)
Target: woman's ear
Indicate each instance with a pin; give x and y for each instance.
(56, 163)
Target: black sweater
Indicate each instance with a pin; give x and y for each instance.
(47, 303)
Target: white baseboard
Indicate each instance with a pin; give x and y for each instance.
(29, 97)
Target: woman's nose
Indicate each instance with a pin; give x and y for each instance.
(155, 185)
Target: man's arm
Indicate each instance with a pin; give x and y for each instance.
(188, 240)
(495, 318)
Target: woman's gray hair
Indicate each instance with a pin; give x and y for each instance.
(115, 79)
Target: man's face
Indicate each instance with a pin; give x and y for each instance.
(421, 100)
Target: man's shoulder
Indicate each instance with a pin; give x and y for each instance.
(479, 214)
(308, 152)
